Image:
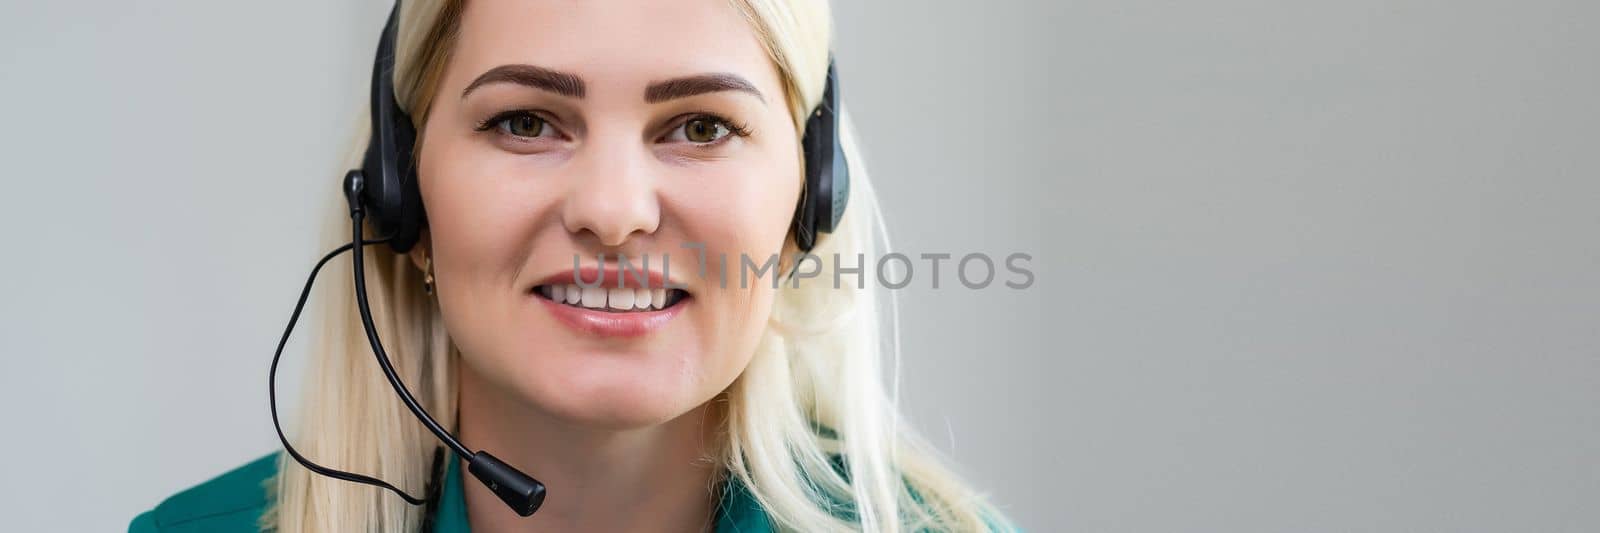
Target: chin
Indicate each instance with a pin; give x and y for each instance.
(604, 396)
(619, 413)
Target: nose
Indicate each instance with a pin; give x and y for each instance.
(614, 193)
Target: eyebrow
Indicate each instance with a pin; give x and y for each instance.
(687, 86)
(531, 76)
(571, 85)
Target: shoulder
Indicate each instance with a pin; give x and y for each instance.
(232, 501)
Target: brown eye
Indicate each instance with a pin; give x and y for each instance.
(523, 125)
(703, 130)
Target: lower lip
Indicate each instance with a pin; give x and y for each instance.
(608, 324)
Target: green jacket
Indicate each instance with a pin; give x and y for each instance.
(234, 501)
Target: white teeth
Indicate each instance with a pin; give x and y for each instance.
(620, 299)
(594, 297)
(628, 299)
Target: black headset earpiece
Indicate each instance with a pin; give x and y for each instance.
(827, 176)
(392, 199)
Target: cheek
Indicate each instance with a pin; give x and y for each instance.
(475, 203)
(479, 231)
(740, 206)
(741, 214)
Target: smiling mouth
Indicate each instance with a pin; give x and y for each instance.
(611, 299)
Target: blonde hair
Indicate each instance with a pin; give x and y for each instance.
(811, 431)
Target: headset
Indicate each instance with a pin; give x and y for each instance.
(385, 190)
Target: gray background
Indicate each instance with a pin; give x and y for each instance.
(1301, 266)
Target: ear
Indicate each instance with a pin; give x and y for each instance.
(419, 252)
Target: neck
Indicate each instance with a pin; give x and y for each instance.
(654, 478)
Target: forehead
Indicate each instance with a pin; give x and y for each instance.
(614, 45)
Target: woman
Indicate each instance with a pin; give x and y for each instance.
(555, 135)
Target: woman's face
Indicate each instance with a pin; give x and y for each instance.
(642, 127)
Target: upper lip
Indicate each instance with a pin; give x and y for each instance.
(653, 279)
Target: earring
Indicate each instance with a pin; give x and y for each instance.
(427, 276)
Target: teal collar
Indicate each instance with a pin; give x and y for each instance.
(737, 512)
